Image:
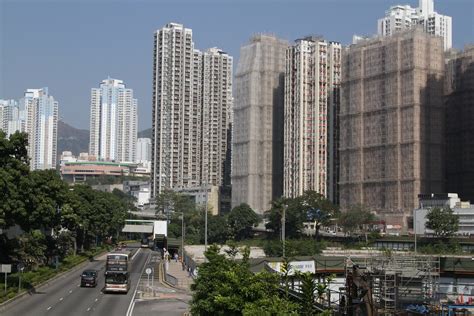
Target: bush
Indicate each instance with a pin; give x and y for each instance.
(294, 247)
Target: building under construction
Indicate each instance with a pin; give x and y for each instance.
(459, 127)
(257, 139)
(386, 285)
(392, 123)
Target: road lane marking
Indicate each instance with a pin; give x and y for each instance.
(132, 302)
(136, 253)
(78, 285)
(89, 309)
(61, 298)
(70, 291)
(96, 300)
(48, 308)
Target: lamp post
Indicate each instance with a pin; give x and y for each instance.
(182, 236)
(205, 220)
(283, 222)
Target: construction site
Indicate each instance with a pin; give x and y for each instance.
(400, 285)
(378, 283)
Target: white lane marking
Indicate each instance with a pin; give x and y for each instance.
(48, 308)
(136, 253)
(89, 309)
(70, 291)
(132, 302)
(61, 298)
(96, 300)
(78, 285)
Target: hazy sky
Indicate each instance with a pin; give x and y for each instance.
(71, 46)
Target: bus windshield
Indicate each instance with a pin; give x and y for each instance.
(116, 278)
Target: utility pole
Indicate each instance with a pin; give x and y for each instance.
(182, 236)
(414, 226)
(205, 220)
(283, 222)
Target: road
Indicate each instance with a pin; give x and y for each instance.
(168, 307)
(65, 296)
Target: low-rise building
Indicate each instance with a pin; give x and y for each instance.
(464, 209)
(201, 196)
(140, 190)
(80, 171)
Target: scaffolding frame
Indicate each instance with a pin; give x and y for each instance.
(399, 280)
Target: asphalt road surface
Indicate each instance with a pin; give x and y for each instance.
(168, 307)
(64, 296)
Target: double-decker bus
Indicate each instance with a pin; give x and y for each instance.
(117, 278)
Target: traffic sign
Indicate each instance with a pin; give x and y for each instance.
(148, 270)
(5, 268)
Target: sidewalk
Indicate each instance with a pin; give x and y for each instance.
(183, 279)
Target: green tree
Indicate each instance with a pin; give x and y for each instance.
(443, 221)
(317, 209)
(355, 218)
(241, 219)
(294, 218)
(217, 229)
(43, 199)
(30, 249)
(169, 201)
(227, 287)
(309, 207)
(14, 178)
(308, 293)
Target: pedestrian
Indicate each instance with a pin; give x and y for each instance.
(189, 271)
(183, 265)
(175, 257)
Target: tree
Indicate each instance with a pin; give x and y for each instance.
(44, 197)
(169, 200)
(309, 207)
(217, 229)
(294, 218)
(355, 218)
(14, 173)
(227, 287)
(31, 248)
(241, 219)
(317, 208)
(443, 221)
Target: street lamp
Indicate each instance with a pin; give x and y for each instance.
(283, 228)
(205, 220)
(182, 235)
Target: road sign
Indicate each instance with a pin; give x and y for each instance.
(148, 270)
(5, 268)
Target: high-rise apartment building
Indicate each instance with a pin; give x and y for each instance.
(459, 128)
(392, 123)
(42, 127)
(113, 122)
(402, 17)
(257, 139)
(12, 118)
(143, 150)
(192, 96)
(216, 106)
(312, 82)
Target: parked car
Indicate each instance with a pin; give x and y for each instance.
(89, 278)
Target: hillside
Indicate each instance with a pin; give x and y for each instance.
(72, 139)
(146, 133)
(77, 140)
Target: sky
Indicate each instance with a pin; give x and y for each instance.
(70, 46)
